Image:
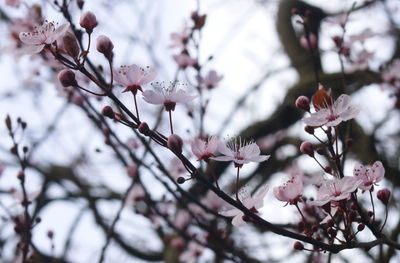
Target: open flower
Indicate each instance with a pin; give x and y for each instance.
(333, 114)
(290, 191)
(211, 80)
(336, 190)
(252, 203)
(180, 39)
(133, 77)
(369, 175)
(204, 149)
(42, 36)
(168, 96)
(183, 60)
(240, 152)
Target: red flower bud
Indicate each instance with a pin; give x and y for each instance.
(88, 21)
(175, 143)
(105, 46)
(67, 78)
(307, 148)
(71, 45)
(131, 170)
(384, 195)
(298, 246)
(108, 112)
(303, 103)
(144, 129)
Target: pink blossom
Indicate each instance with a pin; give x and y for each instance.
(252, 203)
(362, 36)
(192, 253)
(290, 191)
(333, 115)
(240, 152)
(136, 194)
(182, 219)
(369, 175)
(184, 60)
(168, 96)
(211, 80)
(204, 149)
(42, 36)
(13, 3)
(336, 190)
(133, 77)
(179, 40)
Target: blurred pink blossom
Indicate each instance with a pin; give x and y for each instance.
(184, 60)
(211, 80)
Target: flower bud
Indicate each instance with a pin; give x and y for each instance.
(131, 170)
(105, 46)
(80, 3)
(307, 148)
(67, 78)
(88, 21)
(309, 129)
(328, 169)
(108, 112)
(384, 195)
(180, 180)
(71, 45)
(298, 246)
(50, 234)
(144, 129)
(360, 227)
(175, 143)
(311, 42)
(303, 103)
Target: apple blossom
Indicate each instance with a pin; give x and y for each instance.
(133, 77)
(44, 35)
(252, 203)
(204, 149)
(290, 191)
(369, 175)
(333, 115)
(240, 152)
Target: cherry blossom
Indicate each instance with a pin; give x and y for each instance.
(168, 96)
(13, 3)
(192, 253)
(290, 191)
(333, 115)
(133, 77)
(240, 152)
(180, 39)
(184, 60)
(204, 149)
(336, 190)
(252, 203)
(369, 175)
(43, 35)
(211, 80)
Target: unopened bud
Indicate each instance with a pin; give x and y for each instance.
(307, 148)
(80, 3)
(180, 180)
(303, 103)
(71, 45)
(88, 21)
(105, 46)
(298, 246)
(360, 227)
(108, 112)
(320, 151)
(383, 195)
(175, 143)
(131, 170)
(50, 234)
(67, 78)
(328, 169)
(309, 129)
(311, 43)
(144, 129)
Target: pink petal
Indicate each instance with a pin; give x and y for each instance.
(59, 32)
(153, 97)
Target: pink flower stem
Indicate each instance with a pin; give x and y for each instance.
(386, 216)
(170, 121)
(136, 106)
(372, 203)
(301, 213)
